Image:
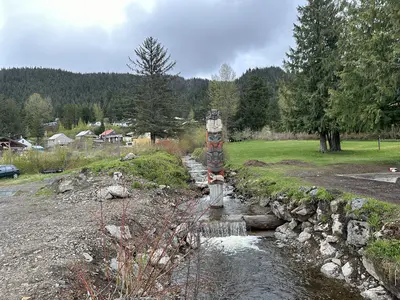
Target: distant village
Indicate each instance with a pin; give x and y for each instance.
(109, 136)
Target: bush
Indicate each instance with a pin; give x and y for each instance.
(193, 138)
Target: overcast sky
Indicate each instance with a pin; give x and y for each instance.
(99, 35)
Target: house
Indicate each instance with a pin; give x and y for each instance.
(59, 139)
(110, 136)
(7, 144)
(25, 142)
(85, 134)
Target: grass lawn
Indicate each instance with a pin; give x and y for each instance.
(307, 151)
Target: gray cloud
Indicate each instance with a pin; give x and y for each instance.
(200, 35)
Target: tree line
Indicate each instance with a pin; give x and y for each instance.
(30, 97)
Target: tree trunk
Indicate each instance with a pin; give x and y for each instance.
(334, 144)
(322, 142)
(153, 138)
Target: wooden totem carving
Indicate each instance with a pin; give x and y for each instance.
(215, 157)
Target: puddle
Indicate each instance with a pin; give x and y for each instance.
(381, 177)
(7, 193)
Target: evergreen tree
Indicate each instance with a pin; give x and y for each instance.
(254, 105)
(312, 65)
(37, 111)
(368, 97)
(11, 120)
(224, 96)
(154, 102)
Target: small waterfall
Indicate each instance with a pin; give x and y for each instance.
(223, 229)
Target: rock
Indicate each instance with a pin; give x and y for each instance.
(358, 203)
(320, 227)
(305, 225)
(304, 236)
(129, 156)
(347, 270)
(391, 230)
(337, 261)
(337, 226)
(116, 232)
(114, 264)
(358, 233)
(104, 194)
(292, 224)
(284, 232)
(303, 212)
(87, 257)
(314, 192)
(308, 229)
(281, 211)
(327, 249)
(377, 293)
(323, 211)
(262, 221)
(182, 230)
(334, 206)
(65, 185)
(369, 266)
(193, 240)
(331, 270)
(264, 201)
(117, 176)
(118, 191)
(159, 257)
(331, 239)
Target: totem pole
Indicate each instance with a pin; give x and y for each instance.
(215, 158)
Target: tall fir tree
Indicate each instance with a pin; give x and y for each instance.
(11, 124)
(368, 97)
(155, 105)
(254, 105)
(312, 67)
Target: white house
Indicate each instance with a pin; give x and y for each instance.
(59, 139)
(25, 142)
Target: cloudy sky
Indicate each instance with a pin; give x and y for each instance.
(99, 35)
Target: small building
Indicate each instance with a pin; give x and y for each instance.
(59, 139)
(110, 136)
(85, 134)
(25, 142)
(9, 144)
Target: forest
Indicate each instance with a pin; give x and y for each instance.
(71, 97)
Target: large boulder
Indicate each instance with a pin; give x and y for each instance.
(327, 249)
(263, 221)
(285, 232)
(281, 211)
(113, 191)
(377, 293)
(303, 212)
(332, 270)
(65, 185)
(358, 233)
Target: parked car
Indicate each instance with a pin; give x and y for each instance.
(9, 171)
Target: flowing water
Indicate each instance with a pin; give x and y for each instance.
(240, 266)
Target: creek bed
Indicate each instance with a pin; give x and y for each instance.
(254, 267)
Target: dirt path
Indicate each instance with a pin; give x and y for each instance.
(328, 178)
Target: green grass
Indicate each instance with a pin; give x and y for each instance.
(307, 151)
(385, 249)
(156, 166)
(27, 178)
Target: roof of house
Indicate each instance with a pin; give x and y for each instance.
(13, 143)
(60, 135)
(85, 132)
(107, 132)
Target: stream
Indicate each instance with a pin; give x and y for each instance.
(239, 265)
